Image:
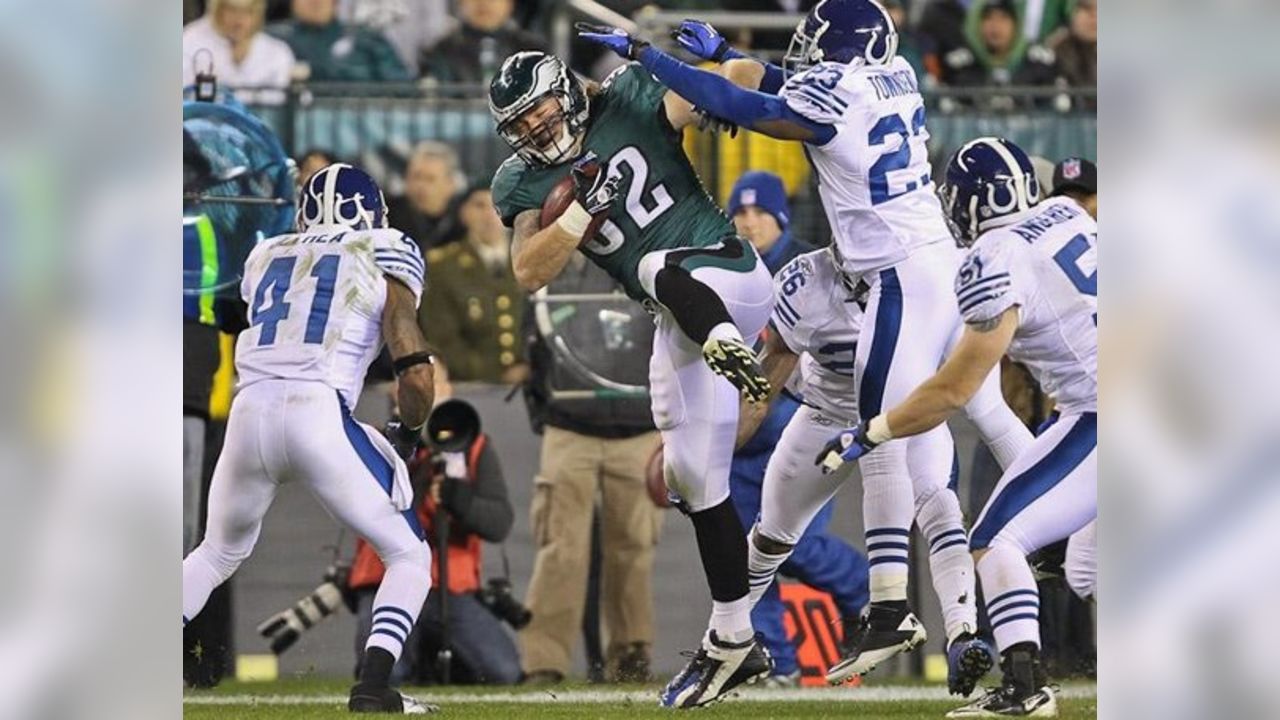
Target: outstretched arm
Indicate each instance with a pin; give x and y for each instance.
(703, 40)
(777, 362)
(712, 92)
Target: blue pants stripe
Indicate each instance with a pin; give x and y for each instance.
(883, 344)
(1037, 480)
(382, 470)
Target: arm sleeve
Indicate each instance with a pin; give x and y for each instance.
(483, 506)
(396, 254)
(720, 97)
(988, 282)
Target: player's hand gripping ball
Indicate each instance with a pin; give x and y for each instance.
(591, 187)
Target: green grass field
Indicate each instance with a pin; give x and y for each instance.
(290, 699)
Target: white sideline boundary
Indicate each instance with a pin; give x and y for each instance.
(584, 697)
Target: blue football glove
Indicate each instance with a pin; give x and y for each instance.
(615, 39)
(851, 444)
(702, 40)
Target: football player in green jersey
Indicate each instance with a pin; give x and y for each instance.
(641, 213)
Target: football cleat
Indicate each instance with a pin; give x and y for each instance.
(1007, 701)
(733, 360)
(386, 700)
(715, 669)
(969, 658)
(1024, 691)
(882, 633)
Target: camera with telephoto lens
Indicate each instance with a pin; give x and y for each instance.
(497, 597)
(285, 627)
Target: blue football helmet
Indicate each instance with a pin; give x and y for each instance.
(343, 195)
(987, 181)
(843, 31)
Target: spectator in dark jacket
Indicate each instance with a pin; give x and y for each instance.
(1076, 46)
(485, 37)
(334, 51)
(999, 56)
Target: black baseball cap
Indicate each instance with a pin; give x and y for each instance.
(1075, 174)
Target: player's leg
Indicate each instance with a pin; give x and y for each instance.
(768, 619)
(713, 294)
(1045, 496)
(697, 411)
(1082, 562)
(909, 320)
(794, 492)
(934, 469)
(826, 562)
(353, 477)
(240, 494)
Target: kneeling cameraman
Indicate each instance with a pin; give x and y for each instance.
(469, 486)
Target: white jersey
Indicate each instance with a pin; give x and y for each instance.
(315, 304)
(819, 319)
(874, 175)
(1047, 264)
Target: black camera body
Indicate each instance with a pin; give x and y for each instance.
(497, 597)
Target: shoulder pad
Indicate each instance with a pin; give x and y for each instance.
(985, 284)
(816, 93)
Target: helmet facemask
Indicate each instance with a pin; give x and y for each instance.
(555, 146)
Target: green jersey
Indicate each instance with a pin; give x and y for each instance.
(662, 203)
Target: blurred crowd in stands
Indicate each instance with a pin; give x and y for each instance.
(268, 44)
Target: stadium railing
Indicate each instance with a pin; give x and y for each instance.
(377, 125)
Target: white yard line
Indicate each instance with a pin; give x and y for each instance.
(854, 695)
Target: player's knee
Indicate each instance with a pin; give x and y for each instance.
(224, 559)
(415, 557)
(1082, 580)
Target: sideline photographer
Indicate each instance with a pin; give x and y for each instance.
(469, 486)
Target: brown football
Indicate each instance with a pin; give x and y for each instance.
(558, 200)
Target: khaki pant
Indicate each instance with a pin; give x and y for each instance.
(574, 468)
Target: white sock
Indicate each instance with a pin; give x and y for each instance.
(725, 331)
(399, 599)
(762, 569)
(1013, 603)
(887, 510)
(950, 564)
(732, 620)
(199, 578)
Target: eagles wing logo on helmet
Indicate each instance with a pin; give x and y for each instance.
(523, 82)
(342, 195)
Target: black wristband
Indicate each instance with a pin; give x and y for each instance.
(408, 361)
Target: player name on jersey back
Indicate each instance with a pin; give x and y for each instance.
(874, 176)
(315, 304)
(1047, 265)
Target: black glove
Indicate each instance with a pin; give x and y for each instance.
(594, 188)
(404, 439)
